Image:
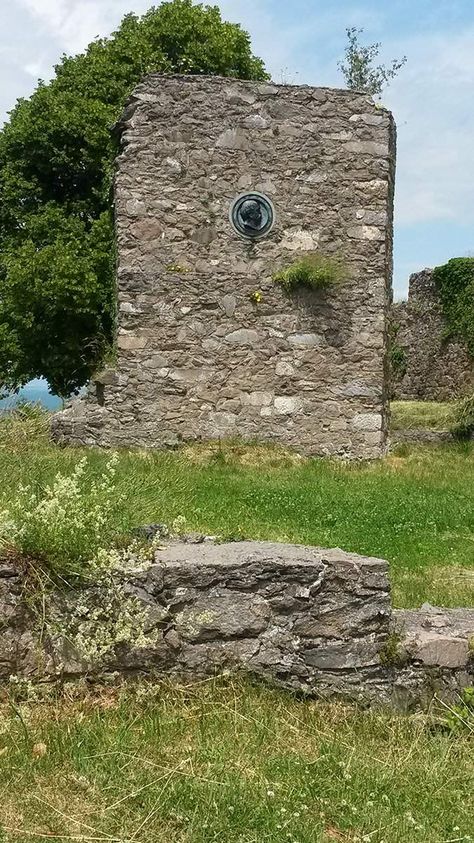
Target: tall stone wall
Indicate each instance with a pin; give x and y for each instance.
(200, 356)
(433, 368)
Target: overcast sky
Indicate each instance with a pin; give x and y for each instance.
(301, 42)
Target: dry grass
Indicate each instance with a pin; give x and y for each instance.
(428, 415)
(230, 761)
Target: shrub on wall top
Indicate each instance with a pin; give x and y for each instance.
(455, 285)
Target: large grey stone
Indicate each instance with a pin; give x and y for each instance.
(242, 336)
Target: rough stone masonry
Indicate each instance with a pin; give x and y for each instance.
(434, 368)
(209, 346)
(310, 619)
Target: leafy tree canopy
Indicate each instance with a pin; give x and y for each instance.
(56, 162)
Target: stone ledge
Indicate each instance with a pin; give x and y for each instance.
(436, 653)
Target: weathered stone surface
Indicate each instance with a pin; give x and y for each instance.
(436, 369)
(187, 280)
(436, 649)
(307, 618)
(367, 421)
(286, 405)
(242, 337)
(225, 616)
(228, 304)
(282, 611)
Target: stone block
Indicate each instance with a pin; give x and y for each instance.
(287, 405)
(233, 139)
(305, 340)
(131, 342)
(367, 421)
(256, 399)
(365, 147)
(243, 336)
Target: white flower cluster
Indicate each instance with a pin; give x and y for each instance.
(98, 632)
(101, 620)
(136, 556)
(66, 524)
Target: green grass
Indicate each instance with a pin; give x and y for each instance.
(414, 508)
(415, 415)
(227, 761)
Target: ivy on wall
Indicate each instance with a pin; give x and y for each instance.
(455, 285)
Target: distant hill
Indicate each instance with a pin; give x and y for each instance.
(35, 392)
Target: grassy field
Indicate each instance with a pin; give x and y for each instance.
(413, 415)
(227, 761)
(414, 508)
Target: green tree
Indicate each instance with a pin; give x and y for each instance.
(359, 70)
(56, 163)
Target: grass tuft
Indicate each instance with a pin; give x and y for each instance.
(313, 270)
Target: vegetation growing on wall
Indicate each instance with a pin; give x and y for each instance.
(398, 356)
(360, 72)
(56, 163)
(463, 422)
(314, 270)
(455, 285)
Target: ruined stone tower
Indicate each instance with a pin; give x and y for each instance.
(220, 183)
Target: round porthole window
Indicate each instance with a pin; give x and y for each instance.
(252, 215)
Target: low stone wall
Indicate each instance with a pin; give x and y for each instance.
(313, 620)
(434, 368)
(434, 654)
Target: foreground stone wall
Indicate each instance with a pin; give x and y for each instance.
(198, 356)
(313, 620)
(435, 369)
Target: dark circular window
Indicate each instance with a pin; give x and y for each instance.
(252, 214)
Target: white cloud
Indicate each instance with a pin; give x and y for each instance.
(432, 102)
(77, 22)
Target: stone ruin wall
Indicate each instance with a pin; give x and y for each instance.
(436, 369)
(312, 620)
(198, 358)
